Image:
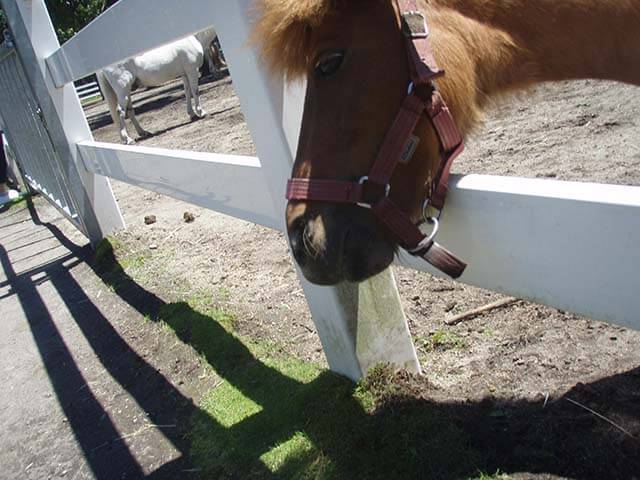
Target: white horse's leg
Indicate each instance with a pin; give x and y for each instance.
(187, 94)
(124, 135)
(193, 86)
(132, 116)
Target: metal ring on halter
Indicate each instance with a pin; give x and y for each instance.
(428, 240)
(365, 179)
(412, 87)
(425, 215)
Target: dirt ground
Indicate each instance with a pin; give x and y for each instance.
(583, 131)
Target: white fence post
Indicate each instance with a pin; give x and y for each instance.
(62, 113)
(359, 325)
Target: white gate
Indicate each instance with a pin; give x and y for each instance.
(535, 239)
(27, 133)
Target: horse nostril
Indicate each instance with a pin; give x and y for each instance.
(296, 240)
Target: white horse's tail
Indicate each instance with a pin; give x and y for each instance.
(109, 95)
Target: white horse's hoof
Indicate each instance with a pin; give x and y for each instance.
(129, 141)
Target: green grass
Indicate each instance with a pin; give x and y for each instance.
(15, 203)
(489, 333)
(224, 294)
(113, 259)
(91, 100)
(273, 416)
(442, 340)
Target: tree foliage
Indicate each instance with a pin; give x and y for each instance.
(70, 16)
(3, 22)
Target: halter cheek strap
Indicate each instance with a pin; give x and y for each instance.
(373, 190)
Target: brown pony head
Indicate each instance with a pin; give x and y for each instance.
(352, 55)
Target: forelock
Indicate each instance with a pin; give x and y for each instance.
(282, 32)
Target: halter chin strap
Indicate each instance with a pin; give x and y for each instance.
(373, 190)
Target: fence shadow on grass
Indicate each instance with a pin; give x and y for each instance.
(410, 435)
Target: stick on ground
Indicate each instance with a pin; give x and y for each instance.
(480, 310)
(602, 417)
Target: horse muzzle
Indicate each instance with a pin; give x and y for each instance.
(335, 243)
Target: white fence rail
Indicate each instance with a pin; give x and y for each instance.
(573, 246)
(148, 24)
(522, 237)
(230, 184)
(569, 245)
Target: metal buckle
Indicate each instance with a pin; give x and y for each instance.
(428, 240)
(411, 88)
(414, 24)
(426, 205)
(365, 179)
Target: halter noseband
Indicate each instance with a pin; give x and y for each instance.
(372, 191)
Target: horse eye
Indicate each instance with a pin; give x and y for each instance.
(329, 64)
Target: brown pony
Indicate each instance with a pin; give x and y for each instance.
(352, 54)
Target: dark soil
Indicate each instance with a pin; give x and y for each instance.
(549, 437)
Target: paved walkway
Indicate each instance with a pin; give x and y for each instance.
(78, 401)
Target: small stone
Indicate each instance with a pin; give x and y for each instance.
(150, 219)
(153, 246)
(188, 217)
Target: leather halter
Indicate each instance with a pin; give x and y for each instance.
(373, 190)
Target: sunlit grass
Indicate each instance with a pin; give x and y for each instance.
(271, 415)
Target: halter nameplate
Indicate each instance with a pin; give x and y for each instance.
(414, 25)
(409, 149)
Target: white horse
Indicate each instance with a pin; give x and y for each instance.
(211, 52)
(181, 58)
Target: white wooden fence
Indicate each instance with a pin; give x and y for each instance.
(569, 245)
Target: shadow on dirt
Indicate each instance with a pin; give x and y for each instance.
(414, 431)
(104, 450)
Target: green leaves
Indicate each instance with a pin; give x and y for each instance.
(70, 16)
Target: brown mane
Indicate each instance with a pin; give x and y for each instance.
(283, 33)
